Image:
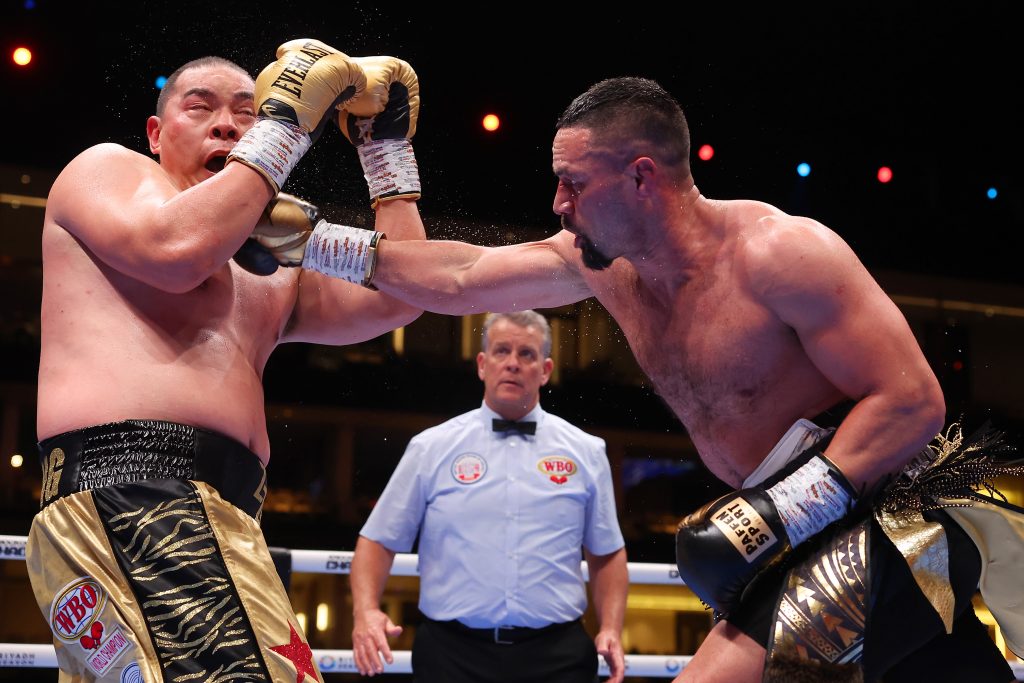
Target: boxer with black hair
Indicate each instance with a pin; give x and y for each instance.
(147, 557)
(750, 322)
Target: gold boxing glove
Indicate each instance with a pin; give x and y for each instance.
(295, 97)
(280, 236)
(380, 123)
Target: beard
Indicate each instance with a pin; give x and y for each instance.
(592, 256)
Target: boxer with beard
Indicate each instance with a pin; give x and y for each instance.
(749, 322)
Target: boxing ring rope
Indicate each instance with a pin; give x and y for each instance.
(405, 564)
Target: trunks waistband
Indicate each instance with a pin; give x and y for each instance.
(134, 450)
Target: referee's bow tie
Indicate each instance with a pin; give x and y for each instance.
(513, 426)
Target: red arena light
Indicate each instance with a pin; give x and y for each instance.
(706, 152)
(884, 174)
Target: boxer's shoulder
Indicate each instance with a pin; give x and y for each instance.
(104, 163)
(110, 156)
(774, 247)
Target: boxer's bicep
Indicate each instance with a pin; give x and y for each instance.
(105, 197)
(332, 311)
(859, 341)
(125, 210)
(523, 276)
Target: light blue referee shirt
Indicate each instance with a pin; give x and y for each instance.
(502, 518)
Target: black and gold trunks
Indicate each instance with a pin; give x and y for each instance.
(887, 594)
(850, 610)
(145, 570)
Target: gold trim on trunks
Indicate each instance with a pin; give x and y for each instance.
(820, 621)
(924, 546)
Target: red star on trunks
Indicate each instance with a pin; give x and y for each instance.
(299, 654)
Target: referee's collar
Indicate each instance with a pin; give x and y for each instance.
(487, 415)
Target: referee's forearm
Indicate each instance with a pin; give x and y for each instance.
(371, 566)
(609, 584)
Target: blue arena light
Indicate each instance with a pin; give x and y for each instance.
(992, 193)
(803, 169)
(30, 4)
(161, 81)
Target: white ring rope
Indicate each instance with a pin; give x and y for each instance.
(340, 562)
(341, 661)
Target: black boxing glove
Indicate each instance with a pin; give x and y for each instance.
(724, 545)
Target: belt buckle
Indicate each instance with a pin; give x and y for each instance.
(497, 637)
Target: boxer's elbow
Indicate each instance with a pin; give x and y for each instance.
(172, 277)
(181, 275)
(402, 314)
(925, 406)
(176, 263)
(934, 407)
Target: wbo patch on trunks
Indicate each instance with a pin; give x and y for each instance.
(469, 468)
(558, 468)
(75, 609)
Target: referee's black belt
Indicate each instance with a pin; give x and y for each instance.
(503, 635)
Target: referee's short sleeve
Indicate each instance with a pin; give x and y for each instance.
(395, 519)
(602, 534)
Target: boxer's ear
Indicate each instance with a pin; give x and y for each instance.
(643, 170)
(153, 134)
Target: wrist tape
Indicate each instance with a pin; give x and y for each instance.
(273, 148)
(389, 167)
(343, 252)
(810, 499)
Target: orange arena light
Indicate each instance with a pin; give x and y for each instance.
(22, 56)
(491, 122)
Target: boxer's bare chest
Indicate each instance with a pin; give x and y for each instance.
(709, 350)
(720, 359)
(229, 312)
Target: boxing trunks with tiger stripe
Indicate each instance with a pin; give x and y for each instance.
(148, 562)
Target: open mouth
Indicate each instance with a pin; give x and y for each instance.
(215, 164)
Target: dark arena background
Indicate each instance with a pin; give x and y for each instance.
(928, 94)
